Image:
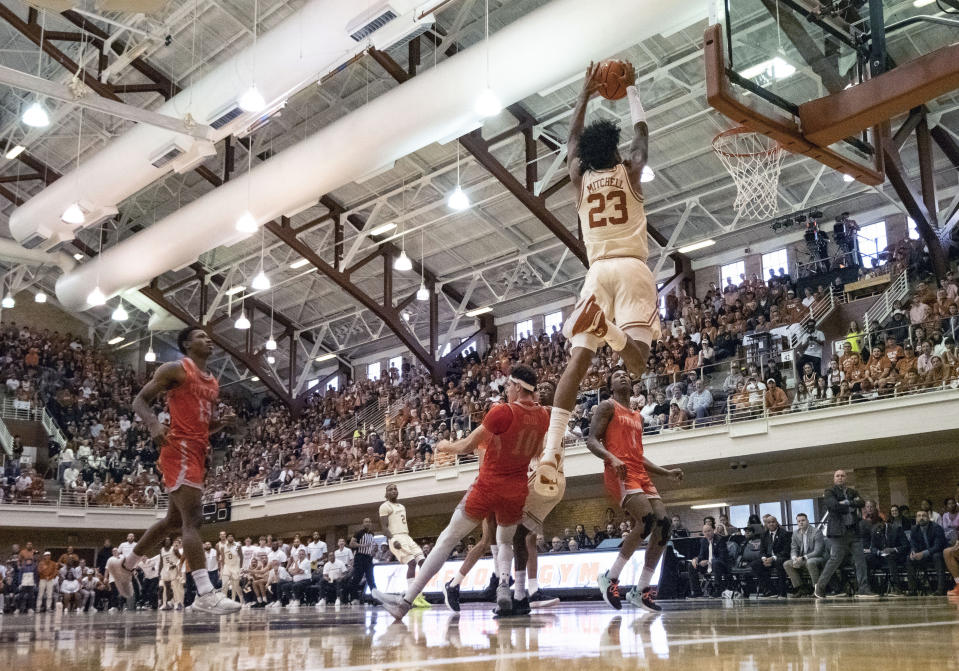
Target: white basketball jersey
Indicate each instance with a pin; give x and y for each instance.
(248, 551)
(612, 216)
(231, 557)
(396, 517)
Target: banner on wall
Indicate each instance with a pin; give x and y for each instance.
(567, 570)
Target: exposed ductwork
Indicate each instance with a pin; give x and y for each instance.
(538, 50)
(302, 49)
(14, 253)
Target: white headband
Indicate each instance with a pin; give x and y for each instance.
(525, 385)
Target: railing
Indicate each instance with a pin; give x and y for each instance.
(67, 499)
(10, 408)
(6, 439)
(880, 311)
(821, 309)
(53, 430)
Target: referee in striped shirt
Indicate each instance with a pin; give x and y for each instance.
(364, 546)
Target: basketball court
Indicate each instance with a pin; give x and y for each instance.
(693, 634)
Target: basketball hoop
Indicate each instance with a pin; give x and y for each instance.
(754, 162)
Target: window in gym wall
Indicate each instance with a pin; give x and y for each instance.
(807, 506)
(732, 271)
(470, 348)
(397, 363)
(553, 321)
(774, 508)
(524, 329)
(373, 371)
(446, 350)
(913, 231)
(739, 515)
(334, 384)
(872, 240)
(774, 261)
(312, 383)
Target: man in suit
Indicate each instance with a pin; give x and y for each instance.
(774, 552)
(889, 547)
(713, 559)
(843, 504)
(927, 541)
(806, 552)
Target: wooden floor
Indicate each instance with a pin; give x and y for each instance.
(900, 634)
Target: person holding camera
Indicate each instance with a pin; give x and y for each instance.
(843, 505)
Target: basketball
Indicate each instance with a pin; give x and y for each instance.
(610, 78)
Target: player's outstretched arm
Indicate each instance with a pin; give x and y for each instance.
(166, 377)
(597, 433)
(470, 443)
(639, 147)
(578, 122)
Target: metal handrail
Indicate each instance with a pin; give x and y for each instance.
(53, 430)
(6, 439)
(9, 409)
(879, 311)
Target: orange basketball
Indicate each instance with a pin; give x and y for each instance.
(610, 78)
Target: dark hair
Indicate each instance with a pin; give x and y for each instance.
(798, 515)
(525, 374)
(609, 378)
(598, 145)
(183, 336)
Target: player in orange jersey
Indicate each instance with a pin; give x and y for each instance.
(618, 304)
(192, 394)
(513, 434)
(616, 437)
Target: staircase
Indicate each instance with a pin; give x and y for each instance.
(25, 421)
(881, 310)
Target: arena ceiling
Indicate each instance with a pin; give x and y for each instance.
(497, 253)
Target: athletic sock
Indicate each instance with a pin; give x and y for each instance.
(504, 560)
(615, 337)
(519, 585)
(617, 567)
(494, 550)
(409, 582)
(645, 578)
(558, 421)
(131, 560)
(201, 578)
(457, 579)
(532, 586)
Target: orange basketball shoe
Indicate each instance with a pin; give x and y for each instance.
(586, 317)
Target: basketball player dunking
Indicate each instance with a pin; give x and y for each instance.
(192, 394)
(618, 303)
(616, 437)
(513, 434)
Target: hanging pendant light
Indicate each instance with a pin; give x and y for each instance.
(150, 356)
(120, 315)
(73, 215)
(246, 223)
(8, 301)
(40, 297)
(96, 297)
(242, 323)
(271, 360)
(422, 294)
(261, 282)
(488, 104)
(252, 100)
(271, 344)
(36, 116)
(403, 262)
(458, 200)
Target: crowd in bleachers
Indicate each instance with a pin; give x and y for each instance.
(705, 364)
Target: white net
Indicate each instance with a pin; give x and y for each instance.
(754, 161)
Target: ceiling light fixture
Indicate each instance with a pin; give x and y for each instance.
(246, 223)
(271, 360)
(478, 311)
(14, 151)
(261, 282)
(647, 174)
(325, 357)
(383, 228)
(709, 506)
(235, 289)
(422, 294)
(702, 244)
(242, 323)
(255, 378)
(848, 178)
(96, 297)
(403, 262)
(120, 315)
(73, 215)
(774, 69)
(150, 356)
(252, 100)
(458, 200)
(115, 340)
(8, 301)
(298, 264)
(78, 256)
(271, 344)
(35, 116)
(40, 297)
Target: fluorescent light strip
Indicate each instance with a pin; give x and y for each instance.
(298, 264)
(114, 341)
(235, 289)
(383, 228)
(709, 506)
(479, 311)
(14, 152)
(702, 244)
(326, 357)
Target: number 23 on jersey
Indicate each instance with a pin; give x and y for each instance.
(608, 208)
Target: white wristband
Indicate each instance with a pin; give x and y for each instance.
(635, 105)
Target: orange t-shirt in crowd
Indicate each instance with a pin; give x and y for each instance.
(877, 366)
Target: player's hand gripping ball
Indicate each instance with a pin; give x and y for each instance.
(612, 77)
(546, 481)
